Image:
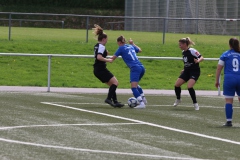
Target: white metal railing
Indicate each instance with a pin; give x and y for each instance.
(92, 56)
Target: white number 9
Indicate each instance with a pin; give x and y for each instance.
(235, 64)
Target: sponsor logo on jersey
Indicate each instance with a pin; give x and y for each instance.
(197, 53)
(185, 59)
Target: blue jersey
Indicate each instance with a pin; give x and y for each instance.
(231, 62)
(128, 53)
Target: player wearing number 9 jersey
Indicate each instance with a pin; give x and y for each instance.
(230, 61)
(137, 70)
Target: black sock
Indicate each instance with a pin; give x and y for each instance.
(114, 97)
(192, 94)
(111, 91)
(178, 92)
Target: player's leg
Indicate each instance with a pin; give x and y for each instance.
(229, 89)
(112, 96)
(192, 93)
(134, 79)
(140, 90)
(177, 89)
(228, 111)
(193, 79)
(137, 95)
(105, 76)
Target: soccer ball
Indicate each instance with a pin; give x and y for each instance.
(132, 102)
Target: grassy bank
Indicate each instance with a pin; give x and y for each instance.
(76, 72)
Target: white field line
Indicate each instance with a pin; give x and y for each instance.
(147, 123)
(60, 125)
(154, 105)
(93, 151)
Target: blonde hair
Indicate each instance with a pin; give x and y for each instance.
(98, 31)
(187, 41)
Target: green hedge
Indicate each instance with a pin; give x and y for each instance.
(97, 4)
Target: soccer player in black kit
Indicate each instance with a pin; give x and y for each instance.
(191, 71)
(100, 67)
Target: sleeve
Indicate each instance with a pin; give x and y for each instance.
(135, 48)
(101, 49)
(222, 60)
(195, 53)
(118, 52)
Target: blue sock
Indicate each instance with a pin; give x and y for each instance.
(228, 111)
(140, 89)
(135, 92)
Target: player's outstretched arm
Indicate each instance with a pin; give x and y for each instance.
(132, 43)
(101, 58)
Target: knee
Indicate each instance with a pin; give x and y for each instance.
(115, 83)
(177, 85)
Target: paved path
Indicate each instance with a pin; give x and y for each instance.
(100, 90)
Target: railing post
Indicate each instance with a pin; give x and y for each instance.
(87, 29)
(62, 24)
(49, 72)
(9, 25)
(164, 30)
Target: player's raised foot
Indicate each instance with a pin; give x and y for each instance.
(140, 106)
(144, 100)
(108, 101)
(196, 106)
(118, 104)
(177, 102)
(228, 124)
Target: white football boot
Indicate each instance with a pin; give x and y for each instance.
(140, 106)
(177, 101)
(144, 100)
(196, 106)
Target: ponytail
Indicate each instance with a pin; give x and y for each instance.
(234, 44)
(98, 31)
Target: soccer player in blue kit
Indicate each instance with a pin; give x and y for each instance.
(230, 61)
(137, 70)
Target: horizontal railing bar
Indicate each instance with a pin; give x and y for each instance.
(4, 19)
(92, 56)
(125, 17)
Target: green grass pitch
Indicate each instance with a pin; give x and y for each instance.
(40, 125)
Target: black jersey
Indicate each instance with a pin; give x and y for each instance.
(99, 49)
(188, 58)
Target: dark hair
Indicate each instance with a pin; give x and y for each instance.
(121, 39)
(234, 44)
(187, 41)
(98, 31)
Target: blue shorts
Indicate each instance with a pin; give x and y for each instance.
(231, 85)
(136, 73)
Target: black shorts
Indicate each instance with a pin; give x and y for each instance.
(104, 75)
(190, 74)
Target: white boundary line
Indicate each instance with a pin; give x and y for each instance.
(147, 123)
(59, 125)
(154, 105)
(94, 151)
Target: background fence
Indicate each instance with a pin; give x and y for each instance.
(204, 16)
(217, 26)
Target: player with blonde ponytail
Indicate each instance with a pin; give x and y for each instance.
(191, 71)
